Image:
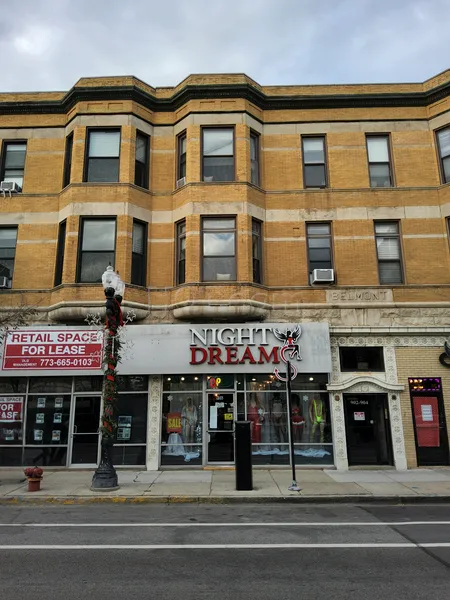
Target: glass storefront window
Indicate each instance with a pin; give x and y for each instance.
(45, 457)
(181, 383)
(11, 420)
(89, 383)
(52, 385)
(220, 382)
(181, 433)
(48, 420)
(131, 419)
(132, 383)
(13, 385)
(266, 409)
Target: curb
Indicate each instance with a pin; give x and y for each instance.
(350, 499)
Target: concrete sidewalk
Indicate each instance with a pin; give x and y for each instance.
(73, 487)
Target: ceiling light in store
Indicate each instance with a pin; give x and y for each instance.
(195, 378)
(182, 379)
(311, 378)
(169, 379)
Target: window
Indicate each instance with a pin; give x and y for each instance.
(387, 239)
(141, 166)
(138, 257)
(181, 252)
(14, 162)
(103, 155)
(254, 158)
(361, 359)
(319, 247)
(256, 251)
(443, 137)
(68, 160)
(314, 164)
(181, 169)
(219, 249)
(8, 239)
(98, 238)
(218, 154)
(60, 253)
(379, 161)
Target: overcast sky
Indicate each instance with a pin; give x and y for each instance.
(50, 44)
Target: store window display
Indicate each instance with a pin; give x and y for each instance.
(265, 396)
(181, 432)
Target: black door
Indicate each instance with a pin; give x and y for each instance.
(220, 427)
(367, 426)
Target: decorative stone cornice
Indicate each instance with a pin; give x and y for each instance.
(149, 98)
(366, 384)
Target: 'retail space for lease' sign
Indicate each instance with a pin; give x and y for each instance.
(53, 349)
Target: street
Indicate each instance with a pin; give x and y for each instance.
(248, 551)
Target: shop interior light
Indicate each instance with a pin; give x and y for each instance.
(311, 378)
(169, 379)
(182, 379)
(253, 379)
(196, 378)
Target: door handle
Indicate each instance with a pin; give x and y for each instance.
(75, 429)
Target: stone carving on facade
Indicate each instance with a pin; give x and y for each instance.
(361, 316)
(154, 419)
(389, 340)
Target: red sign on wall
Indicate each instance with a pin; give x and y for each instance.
(174, 422)
(11, 409)
(53, 349)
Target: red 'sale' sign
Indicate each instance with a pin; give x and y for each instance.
(53, 349)
(174, 422)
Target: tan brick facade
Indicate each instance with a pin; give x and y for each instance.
(418, 200)
(419, 362)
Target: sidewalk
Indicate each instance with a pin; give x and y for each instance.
(73, 487)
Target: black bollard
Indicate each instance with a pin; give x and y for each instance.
(243, 455)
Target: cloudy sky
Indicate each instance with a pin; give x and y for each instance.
(50, 44)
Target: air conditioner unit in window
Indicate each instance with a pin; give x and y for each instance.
(181, 182)
(322, 276)
(9, 186)
(4, 283)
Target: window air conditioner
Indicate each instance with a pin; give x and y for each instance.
(4, 283)
(322, 276)
(181, 182)
(9, 186)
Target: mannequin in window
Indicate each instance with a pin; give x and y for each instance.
(189, 420)
(278, 419)
(317, 416)
(255, 414)
(298, 420)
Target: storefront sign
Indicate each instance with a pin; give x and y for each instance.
(53, 349)
(10, 409)
(174, 422)
(247, 346)
(209, 349)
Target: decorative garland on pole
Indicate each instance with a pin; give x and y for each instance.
(110, 360)
(105, 476)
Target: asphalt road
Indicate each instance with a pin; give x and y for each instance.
(223, 552)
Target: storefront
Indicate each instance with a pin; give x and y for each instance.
(181, 390)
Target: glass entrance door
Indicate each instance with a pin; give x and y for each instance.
(367, 426)
(85, 433)
(221, 408)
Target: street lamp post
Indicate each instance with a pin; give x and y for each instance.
(105, 476)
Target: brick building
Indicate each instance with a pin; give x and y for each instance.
(233, 212)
